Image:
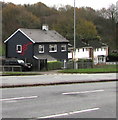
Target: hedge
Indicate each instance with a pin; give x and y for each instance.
(54, 65)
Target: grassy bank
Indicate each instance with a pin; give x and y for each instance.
(19, 73)
(96, 69)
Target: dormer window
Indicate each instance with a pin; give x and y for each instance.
(19, 48)
(41, 48)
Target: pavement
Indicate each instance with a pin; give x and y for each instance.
(54, 78)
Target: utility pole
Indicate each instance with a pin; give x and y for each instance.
(74, 35)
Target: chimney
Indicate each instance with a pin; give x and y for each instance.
(45, 27)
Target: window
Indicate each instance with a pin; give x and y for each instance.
(19, 48)
(104, 49)
(63, 48)
(87, 49)
(41, 48)
(97, 49)
(83, 49)
(53, 48)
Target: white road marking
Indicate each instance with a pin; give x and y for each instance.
(87, 110)
(57, 115)
(70, 113)
(92, 91)
(18, 98)
(12, 101)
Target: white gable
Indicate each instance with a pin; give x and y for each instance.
(15, 33)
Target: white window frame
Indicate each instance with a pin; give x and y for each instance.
(53, 46)
(42, 47)
(17, 47)
(63, 46)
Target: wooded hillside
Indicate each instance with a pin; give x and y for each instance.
(90, 23)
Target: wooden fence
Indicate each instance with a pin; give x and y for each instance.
(10, 68)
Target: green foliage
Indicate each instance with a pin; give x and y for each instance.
(84, 60)
(54, 65)
(2, 50)
(113, 54)
(15, 17)
(89, 22)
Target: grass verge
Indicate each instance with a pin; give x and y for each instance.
(108, 69)
(19, 73)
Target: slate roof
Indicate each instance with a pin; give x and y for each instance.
(96, 43)
(38, 35)
(81, 44)
(45, 56)
(93, 43)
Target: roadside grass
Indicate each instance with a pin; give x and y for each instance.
(96, 69)
(20, 73)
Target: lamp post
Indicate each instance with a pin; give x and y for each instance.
(74, 35)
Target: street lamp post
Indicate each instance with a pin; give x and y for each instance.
(74, 35)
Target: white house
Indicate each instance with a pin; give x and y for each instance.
(93, 49)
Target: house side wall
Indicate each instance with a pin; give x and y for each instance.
(82, 54)
(19, 39)
(59, 55)
(79, 54)
(101, 51)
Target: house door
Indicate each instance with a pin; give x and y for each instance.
(43, 64)
(91, 53)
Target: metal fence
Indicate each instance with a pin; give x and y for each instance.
(112, 63)
(80, 64)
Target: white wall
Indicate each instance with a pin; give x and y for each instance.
(80, 53)
(85, 54)
(100, 51)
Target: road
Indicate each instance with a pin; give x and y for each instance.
(89, 100)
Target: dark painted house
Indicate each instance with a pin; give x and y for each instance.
(37, 46)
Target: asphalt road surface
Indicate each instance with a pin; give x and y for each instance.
(89, 100)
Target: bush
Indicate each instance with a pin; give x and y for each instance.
(112, 57)
(54, 65)
(84, 60)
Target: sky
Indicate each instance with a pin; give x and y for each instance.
(95, 4)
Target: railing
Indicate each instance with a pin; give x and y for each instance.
(112, 63)
(10, 68)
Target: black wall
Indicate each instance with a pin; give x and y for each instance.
(59, 55)
(32, 49)
(19, 39)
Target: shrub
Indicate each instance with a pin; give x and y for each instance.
(54, 65)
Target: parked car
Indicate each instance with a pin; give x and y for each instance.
(25, 66)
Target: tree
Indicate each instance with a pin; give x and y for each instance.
(111, 13)
(16, 16)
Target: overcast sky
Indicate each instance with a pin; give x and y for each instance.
(96, 4)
